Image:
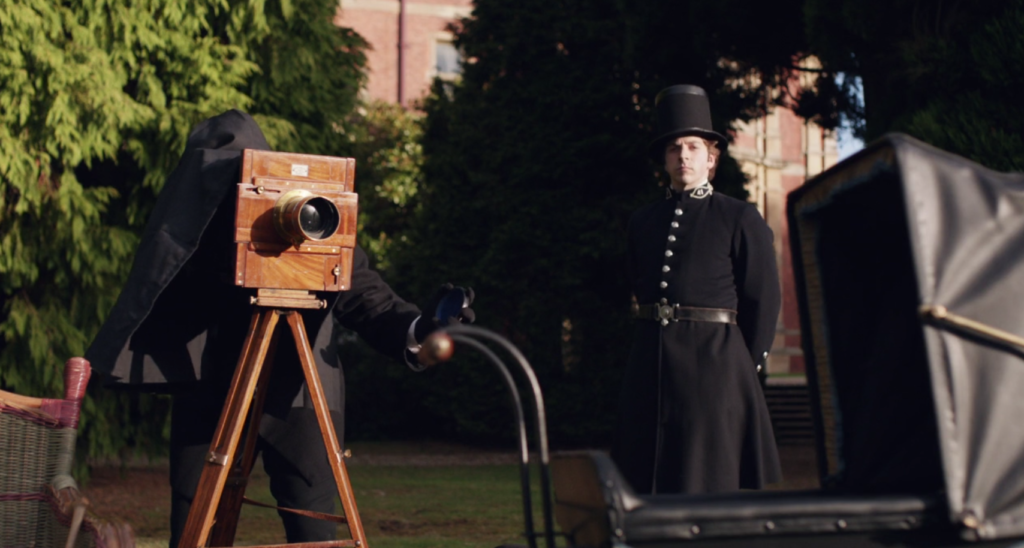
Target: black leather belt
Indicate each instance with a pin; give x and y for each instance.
(674, 312)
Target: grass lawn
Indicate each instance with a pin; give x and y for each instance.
(400, 506)
(415, 507)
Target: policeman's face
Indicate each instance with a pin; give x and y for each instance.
(688, 161)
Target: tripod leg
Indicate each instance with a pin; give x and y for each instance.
(316, 392)
(229, 430)
(230, 508)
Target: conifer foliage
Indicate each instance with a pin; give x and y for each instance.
(948, 73)
(385, 140)
(96, 101)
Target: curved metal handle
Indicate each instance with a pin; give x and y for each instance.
(439, 346)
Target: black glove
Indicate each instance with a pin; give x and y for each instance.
(449, 301)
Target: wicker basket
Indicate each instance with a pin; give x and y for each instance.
(40, 503)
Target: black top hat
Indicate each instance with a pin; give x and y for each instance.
(682, 110)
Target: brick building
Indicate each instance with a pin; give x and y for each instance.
(421, 25)
(778, 152)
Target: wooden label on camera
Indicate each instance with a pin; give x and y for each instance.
(264, 257)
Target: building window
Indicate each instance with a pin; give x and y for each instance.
(447, 59)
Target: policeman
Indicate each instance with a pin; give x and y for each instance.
(692, 416)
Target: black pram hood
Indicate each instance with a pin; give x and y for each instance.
(905, 402)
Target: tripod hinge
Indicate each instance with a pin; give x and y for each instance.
(217, 458)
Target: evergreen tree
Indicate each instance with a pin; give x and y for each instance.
(310, 70)
(948, 73)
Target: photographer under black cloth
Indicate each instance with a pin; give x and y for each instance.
(180, 323)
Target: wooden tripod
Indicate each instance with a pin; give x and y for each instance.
(215, 509)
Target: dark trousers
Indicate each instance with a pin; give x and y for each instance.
(194, 419)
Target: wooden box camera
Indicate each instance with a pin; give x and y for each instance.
(295, 221)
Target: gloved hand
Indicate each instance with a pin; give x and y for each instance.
(445, 302)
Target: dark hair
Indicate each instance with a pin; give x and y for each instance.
(713, 151)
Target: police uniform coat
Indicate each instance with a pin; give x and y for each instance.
(692, 416)
(179, 323)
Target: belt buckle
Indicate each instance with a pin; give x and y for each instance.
(666, 312)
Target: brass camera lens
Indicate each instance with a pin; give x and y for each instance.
(301, 215)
